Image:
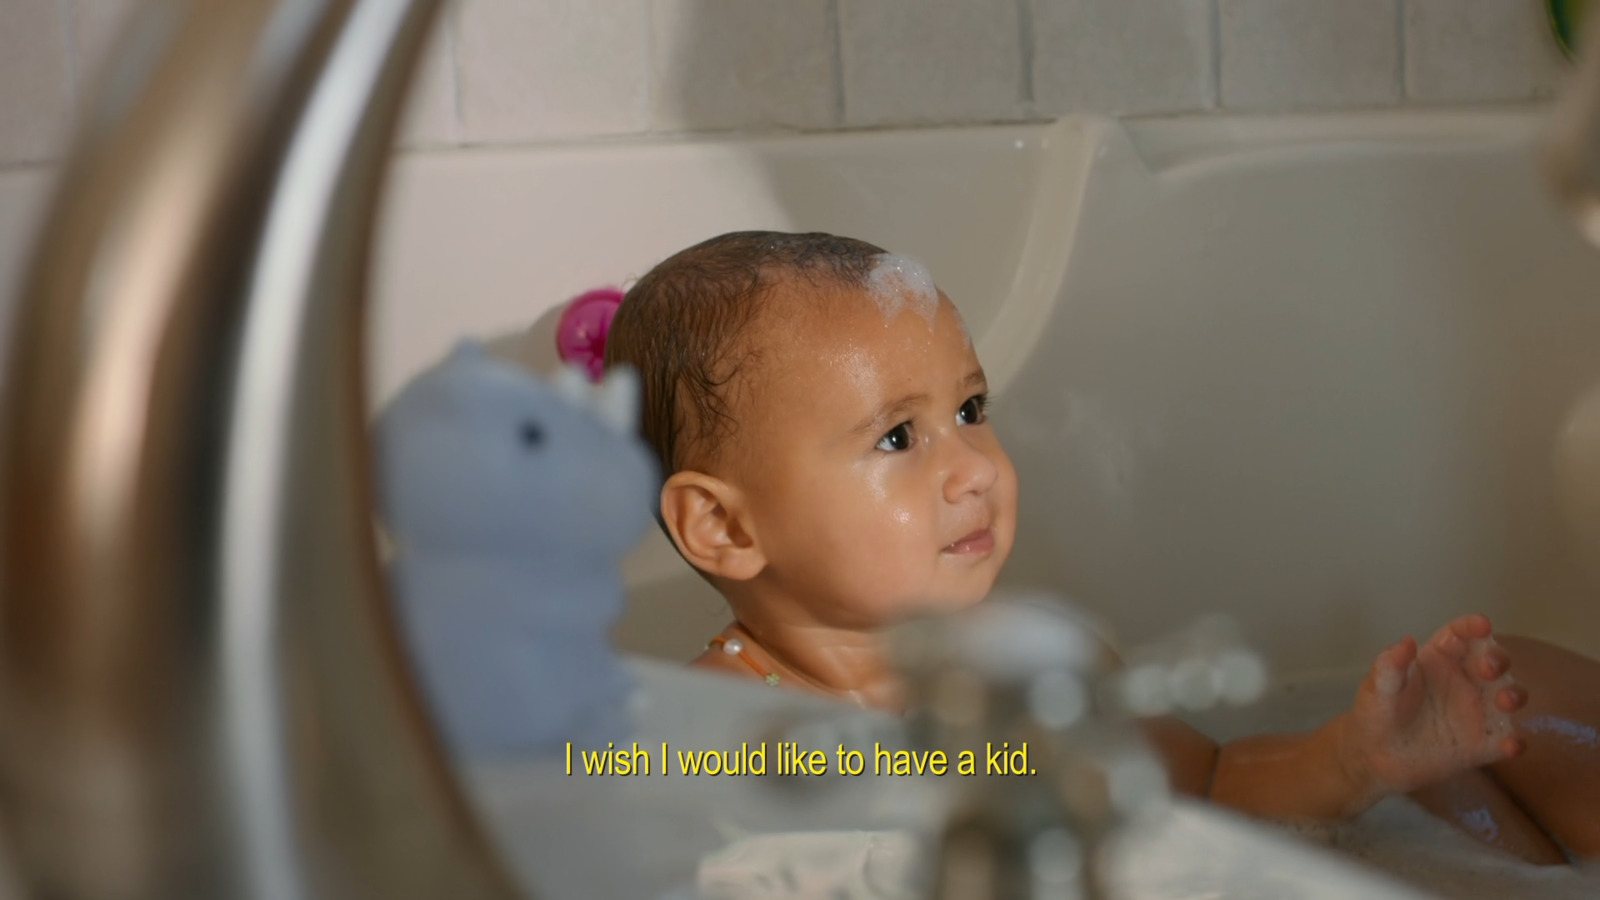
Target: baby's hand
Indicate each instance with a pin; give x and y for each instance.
(1427, 714)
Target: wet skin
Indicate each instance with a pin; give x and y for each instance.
(864, 486)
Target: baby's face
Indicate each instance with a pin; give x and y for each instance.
(878, 488)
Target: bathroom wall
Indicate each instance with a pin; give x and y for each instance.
(510, 72)
(520, 71)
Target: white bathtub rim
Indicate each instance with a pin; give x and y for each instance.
(1167, 144)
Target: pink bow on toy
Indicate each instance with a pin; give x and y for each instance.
(581, 332)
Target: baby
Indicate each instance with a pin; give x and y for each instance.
(820, 415)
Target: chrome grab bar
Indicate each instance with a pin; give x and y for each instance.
(202, 694)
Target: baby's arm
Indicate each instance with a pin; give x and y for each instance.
(1275, 776)
(1421, 716)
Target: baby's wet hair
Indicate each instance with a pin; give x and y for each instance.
(685, 327)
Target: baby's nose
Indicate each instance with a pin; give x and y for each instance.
(972, 471)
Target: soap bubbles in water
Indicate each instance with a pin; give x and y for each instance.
(1055, 861)
(1242, 677)
(1057, 699)
(1198, 669)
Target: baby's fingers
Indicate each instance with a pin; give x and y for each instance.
(1511, 698)
(1455, 638)
(1492, 662)
(1392, 665)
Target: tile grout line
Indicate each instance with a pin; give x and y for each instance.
(28, 166)
(67, 15)
(651, 53)
(1025, 51)
(452, 62)
(1400, 47)
(1216, 54)
(837, 39)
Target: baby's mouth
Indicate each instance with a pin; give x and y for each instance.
(978, 543)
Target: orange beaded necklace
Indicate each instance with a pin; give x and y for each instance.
(735, 647)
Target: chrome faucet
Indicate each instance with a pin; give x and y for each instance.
(1027, 680)
(202, 694)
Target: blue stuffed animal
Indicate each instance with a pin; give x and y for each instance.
(511, 502)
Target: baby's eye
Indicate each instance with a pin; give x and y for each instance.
(898, 439)
(972, 411)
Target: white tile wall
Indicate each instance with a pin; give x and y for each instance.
(23, 194)
(535, 70)
(35, 80)
(430, 118)
(725, 64)
(1137, 56)
(1283, 54)
(508, 71)
(1473, 50)
(95, 27)
(930, 61)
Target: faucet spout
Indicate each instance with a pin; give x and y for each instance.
(201, 691)
(1029, 687)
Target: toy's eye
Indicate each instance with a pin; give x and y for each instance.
(532, 434)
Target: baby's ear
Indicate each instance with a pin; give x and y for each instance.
(708, 522)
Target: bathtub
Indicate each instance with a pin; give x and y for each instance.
(492, 243)
(1312, 372)
(1309, 371)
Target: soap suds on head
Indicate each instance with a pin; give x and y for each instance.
(897, 282)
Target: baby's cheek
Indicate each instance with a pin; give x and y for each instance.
(1006, 487)
(1496, 721)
